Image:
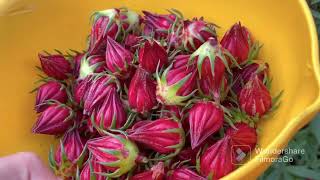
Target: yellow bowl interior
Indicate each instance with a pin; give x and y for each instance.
(284, 27)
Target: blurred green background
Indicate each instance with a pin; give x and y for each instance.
(307, 165)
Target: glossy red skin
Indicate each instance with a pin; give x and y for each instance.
(150, 55)
(236, 42)
(72, 145)
(51, 90)
(77, 63)
(97, 92)
(184, 174)
(153, 135)
(218, 159)
(106, 142)
(96, 167)
(255, 98)
(155, 173)
(160, 24)
(179, 71)
(111, 107)
(142, 92)
(55, 66)
(205, 118)
(194, 29)
(210, 84)
(242, 76)
(53, 121)
(118, 59)
(99, 34)
(245, 137)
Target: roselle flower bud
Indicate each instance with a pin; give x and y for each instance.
(177, 83)
(91, 170)
(118, 59)
(132, 42)
(100, 87)
(81, 88)
(51, 90)
(54, 120)
(255, 98)
(68, 156)
(56, 66)
(152, 55)
(236, 41)
(111, 114)
(162, 135)
(195, 33)
(218, 160)
(205, 118)
(155, 173)
(158, 24)
(242, 76)
(92, 64)
(116, 153)
(183, 174)
(142, 92)
(243, 137)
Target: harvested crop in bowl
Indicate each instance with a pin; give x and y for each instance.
(153, 97)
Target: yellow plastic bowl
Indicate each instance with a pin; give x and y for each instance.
(285, 27)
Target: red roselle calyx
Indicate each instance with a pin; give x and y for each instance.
(54, 120)
(184, 174)
(81, 88)
(236, 41)
(243, 137)
(242, 76)
(218, 160)
(171, 112)
(142, 92)
(68, 156)
(159, 24)
(91, 170)
(162, 135)
(50, 91)
(56, 66)
(132, 42)
(255, 98)
(177, 83)
(116, 153)
(118, 59)
(155, 173)
(152, 55)
(205, 118)
(195, 33)
(100, 87)
(91, 64)
(111, 114)
(77, 63)
(110, 23)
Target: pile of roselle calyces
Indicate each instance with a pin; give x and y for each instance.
(153, 97)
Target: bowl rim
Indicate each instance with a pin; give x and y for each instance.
(254, 165)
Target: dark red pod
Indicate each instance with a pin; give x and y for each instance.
(142, 92)
(54, 120)
(118, 59)
(243, 137)
(195, 33)
(162, 135)
(218, 160)
(111, 114)
(236, 41)
(152, 55)
(183, 173)
(255, 98)
(205, 118)
(51, 90)
(56, 66)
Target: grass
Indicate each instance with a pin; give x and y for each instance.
(302, 165)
